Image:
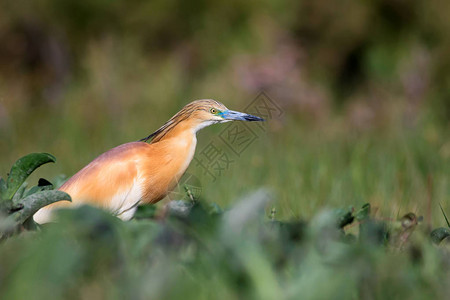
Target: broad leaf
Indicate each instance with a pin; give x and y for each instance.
(43, 185)
(34, 202)
(22, 168)
(19, 193)
(344, 216)
(2, 188)
(145, 212)
(439, 234)
(363, 213)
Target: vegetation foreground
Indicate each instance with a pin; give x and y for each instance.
(191, 249)
(362, 90)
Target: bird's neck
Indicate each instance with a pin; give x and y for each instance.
(177, 129)
(182, 130)
(180, 143)
(170, 156)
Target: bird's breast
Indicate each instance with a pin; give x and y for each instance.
(168, 162)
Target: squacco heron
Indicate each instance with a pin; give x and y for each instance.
(139, 172)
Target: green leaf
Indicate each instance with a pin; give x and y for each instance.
(33, 190)
(40, 187)
(439, 234)
(19, 193)
(34, 202)
(2, 188)
(344, 216)
(363, 213)
(145, 212)
(22, 168)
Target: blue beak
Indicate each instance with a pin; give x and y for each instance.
(238, 116)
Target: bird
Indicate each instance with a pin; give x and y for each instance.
(145, 171)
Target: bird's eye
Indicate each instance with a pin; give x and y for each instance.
(213, 111)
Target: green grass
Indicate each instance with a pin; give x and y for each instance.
(237, 254)
(309, 172)
(307, 167)
(365, 101)
(311, 169)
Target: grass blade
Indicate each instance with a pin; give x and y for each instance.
(445, 216)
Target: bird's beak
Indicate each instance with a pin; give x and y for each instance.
(238, 116)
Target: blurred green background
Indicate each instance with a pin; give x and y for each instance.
(364, 86)
(364, 90)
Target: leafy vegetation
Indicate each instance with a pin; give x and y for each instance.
(192, 249)
(234, 254)
(364, 89)
(17, 204)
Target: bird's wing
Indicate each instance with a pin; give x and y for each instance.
(111, 181)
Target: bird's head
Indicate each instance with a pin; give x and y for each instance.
(207, 112)
(197, 115)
